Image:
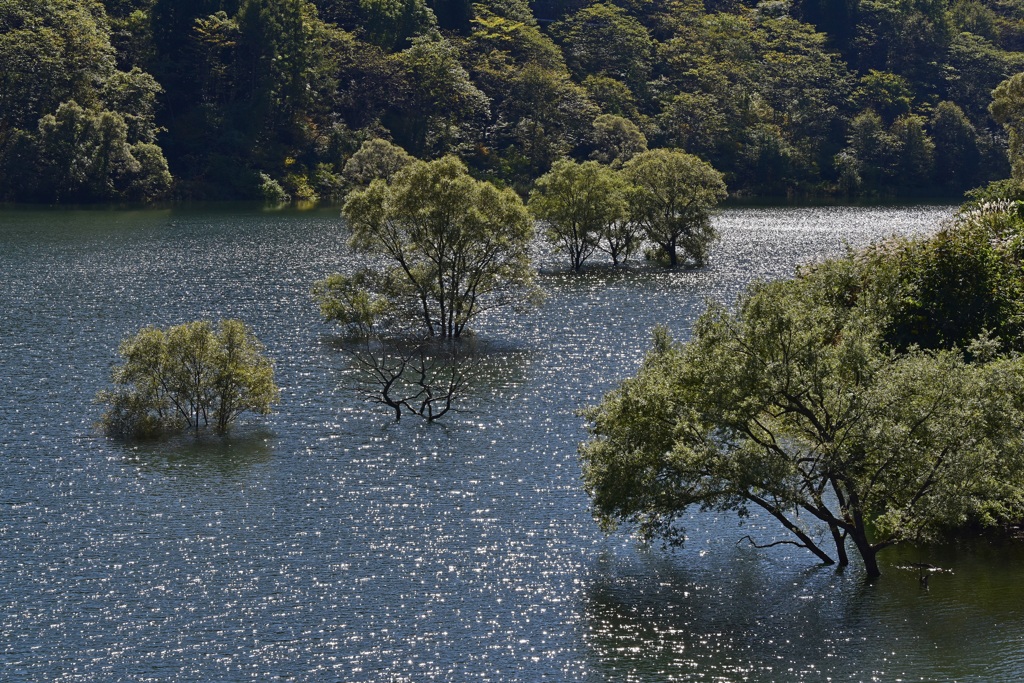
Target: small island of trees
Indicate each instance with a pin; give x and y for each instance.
(188, 377)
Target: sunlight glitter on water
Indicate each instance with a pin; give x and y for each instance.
(327, 543)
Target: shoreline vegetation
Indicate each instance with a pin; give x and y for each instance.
(145, 100)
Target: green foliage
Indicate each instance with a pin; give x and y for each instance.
(901, 155)
(131, 35)
(696, 122)
(270, 57)
(603, 40)
(902, 37)
(272, 192)
(1008, 109)
(964, 282)
(581, 205)
(917, 151)
(86, 156)
(999, 191)
(616, 140)
(537, 114)
(970, 16)
(133, 94)
(454, 248)
(73, 128)
(836, 18)
(440, 104)
(612, 96)
(515, 39)
(887, 94)
(975, 68)
(375, 159)
(262, 95)
(52, 52)
(301, 189)
(957, 154)
(671, 196)
(353, 302)
(188, 376)
(391, 23)
(772, 94)
(794, 404)
(757, 95)
(545, 116)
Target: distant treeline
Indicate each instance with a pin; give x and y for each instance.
(127, 100)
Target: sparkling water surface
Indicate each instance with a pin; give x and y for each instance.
(328, 543)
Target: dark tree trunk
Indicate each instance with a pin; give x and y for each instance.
(673, 256)
(840, 540)
(868, 553)
(805, 540)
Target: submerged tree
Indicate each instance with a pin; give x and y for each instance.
(454, 248)
(671, 197)
(188, 377)
(449, 247)
(417, 377)
(579, 204)
(793, 404)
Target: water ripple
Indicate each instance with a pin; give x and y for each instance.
(329, 544)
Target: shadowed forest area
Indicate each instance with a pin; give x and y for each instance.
(129, 100)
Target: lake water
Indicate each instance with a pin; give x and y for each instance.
(327, 543)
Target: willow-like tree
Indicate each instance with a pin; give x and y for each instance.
(579, 204)
(793, 405)
(454, 248)
(1007, 108)
(671, 197)
(375, 158)
(188, 376)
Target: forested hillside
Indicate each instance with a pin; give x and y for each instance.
(130, 100)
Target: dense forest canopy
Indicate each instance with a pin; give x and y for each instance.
(103, 101)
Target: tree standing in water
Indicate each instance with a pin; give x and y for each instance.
(579, 203)
(454, 248)
(809, 403)
(671, 197)
(188, 376)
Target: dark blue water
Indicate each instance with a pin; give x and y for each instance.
(327, 543)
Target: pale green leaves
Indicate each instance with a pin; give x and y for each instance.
(663, 195)
(794, 403)
(454, 248)
(351, 302)
(671, 197)
(187, 377)
(581, 205)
